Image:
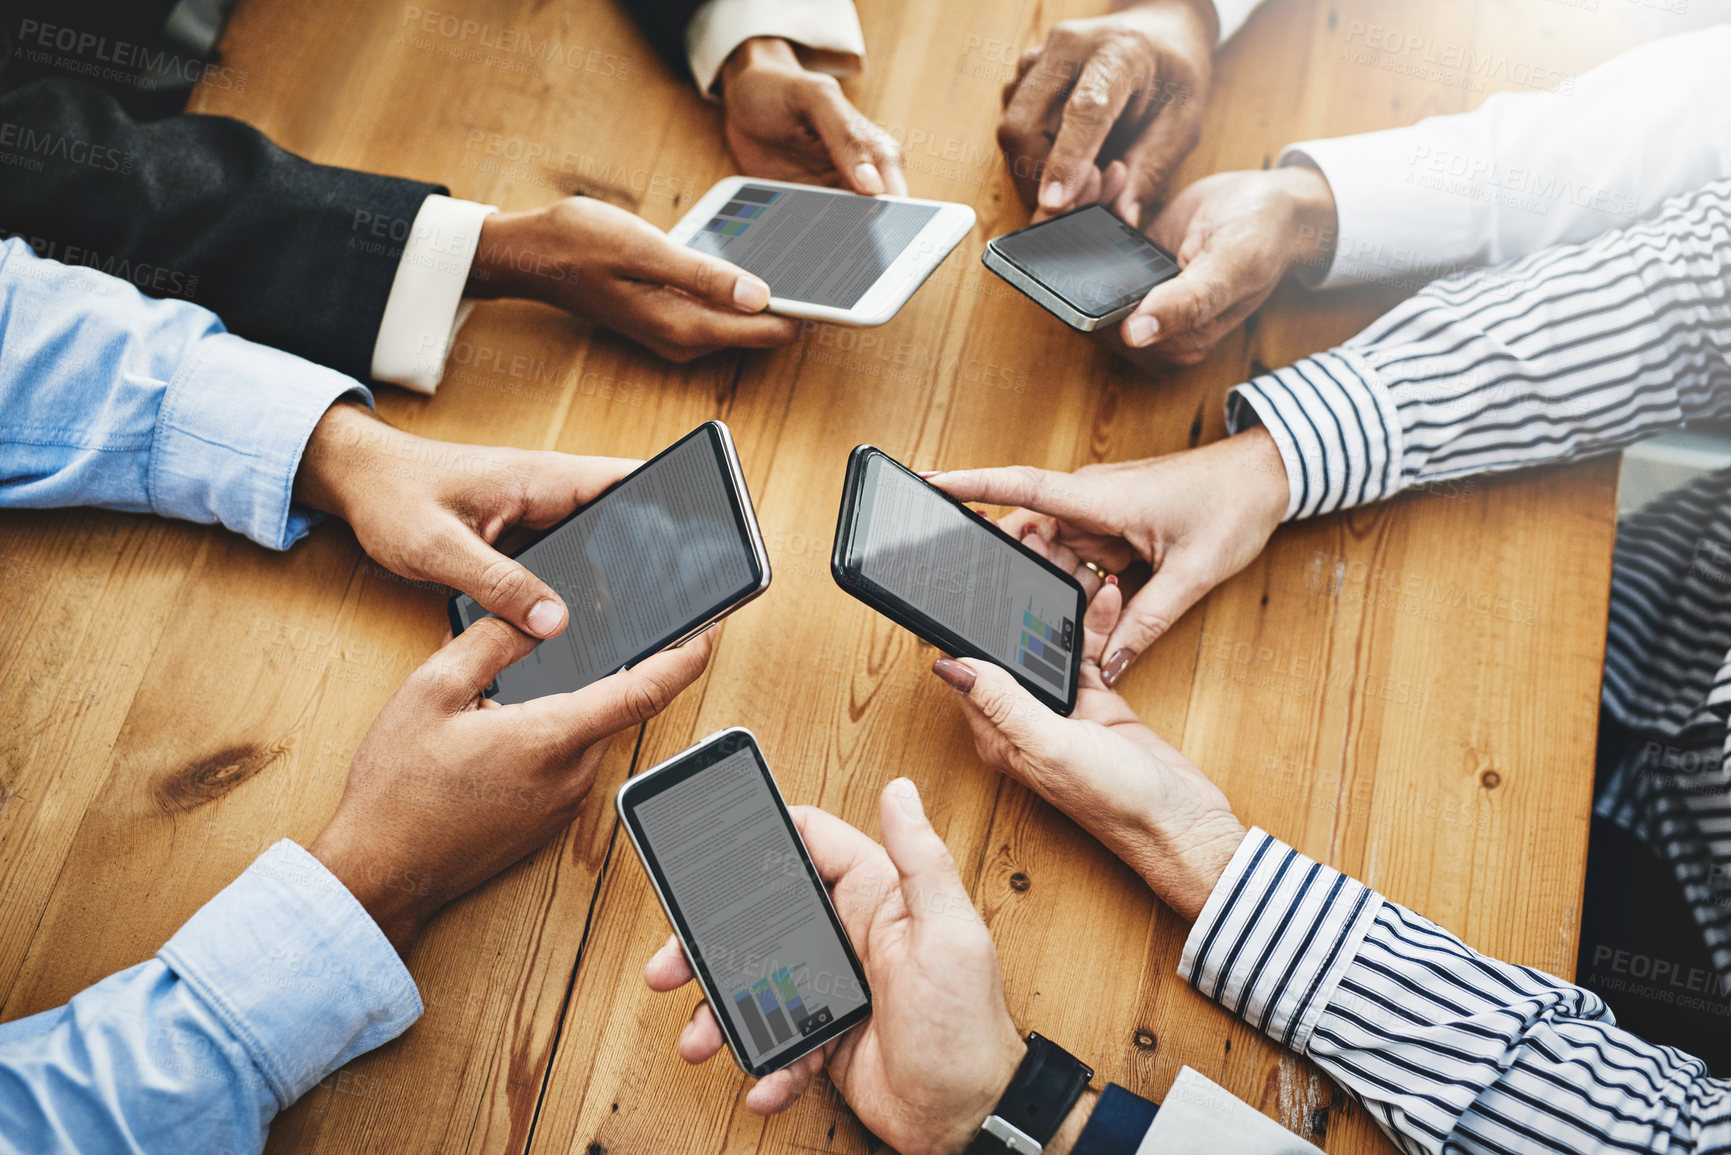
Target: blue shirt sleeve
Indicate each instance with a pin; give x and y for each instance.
(276, 982)
(113, 399)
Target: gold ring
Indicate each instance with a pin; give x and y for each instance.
(1100, 572)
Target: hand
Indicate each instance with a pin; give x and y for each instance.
(431, 510)
(1107, 109)
(930, 1064)
(1196, 517)
(1236, 234)
(449, 788)
(787, 122)
(1120, 781)
(601, 262)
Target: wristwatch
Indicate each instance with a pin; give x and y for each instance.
(1036, 1103)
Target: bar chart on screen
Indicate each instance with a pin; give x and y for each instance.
(780, 1008)
(1045, 648)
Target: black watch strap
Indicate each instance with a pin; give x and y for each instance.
(1037, 1101)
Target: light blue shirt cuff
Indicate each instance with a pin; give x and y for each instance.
(230, 434)
(296, 969)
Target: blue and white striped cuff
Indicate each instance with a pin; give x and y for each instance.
(1336, 427)
(1276, 936)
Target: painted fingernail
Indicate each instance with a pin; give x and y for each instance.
(1052, 196)
(1141, 330)
(958, 676)
(1116, 665)
(1111, 579)
(750, 294)
(869, 179)
(545, 617)
(1029, 529)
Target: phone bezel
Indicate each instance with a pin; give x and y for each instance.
(745, 518)
(682, 767)
(1050, 299)
(885, 602)
(928, 249)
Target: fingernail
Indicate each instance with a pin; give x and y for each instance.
(958, 676)
(1030, 528)
(1140, 330)
(1116, 665)
(869, 179)
(750, 294)
(1111, 579)
(1135, 218)
(928, 474)
(908, 797)
(1052, 196)
(546, 617)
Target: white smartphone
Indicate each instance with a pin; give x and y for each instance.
(827, 255)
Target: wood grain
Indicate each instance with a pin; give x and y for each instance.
(1415, 712)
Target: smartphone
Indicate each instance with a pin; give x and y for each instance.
(745, 900)
(932, 565)
(669, 549)
(1087, 268)
(826, 254)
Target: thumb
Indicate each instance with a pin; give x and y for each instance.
(993, 694)
(709, 279)
(468, 663)
(1169, 593)
(1183, 305)
(505, 587)
(930, 885)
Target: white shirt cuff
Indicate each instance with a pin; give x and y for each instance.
(426, 305)
(720, 26)
(1233, 14)
(1396, 222)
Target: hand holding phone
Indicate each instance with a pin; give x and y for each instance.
(932, 565)
(745, 900)
(940, 1046)
(664, 553)
(1087, 268)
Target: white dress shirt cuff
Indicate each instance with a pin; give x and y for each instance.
(229, 437)
(296, 969)
(720, 26)
(426, 305)
(1400, 217)
(1276, 936)
(1233, 14)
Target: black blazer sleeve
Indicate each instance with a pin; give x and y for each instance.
(288, 253)
(663, 23)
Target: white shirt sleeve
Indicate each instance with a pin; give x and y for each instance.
(1529, 170)
(426, 305)
(1233, 14)
(720, 26)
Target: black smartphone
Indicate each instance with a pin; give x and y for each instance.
(748, 906)
(930, 564)
(1087, 268)
(669, 549)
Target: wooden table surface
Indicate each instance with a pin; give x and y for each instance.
(1408, 692)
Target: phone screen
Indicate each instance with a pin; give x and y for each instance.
(660, 553)
(823, 248)
(1090, 258)
(949, 565)
(746, 900)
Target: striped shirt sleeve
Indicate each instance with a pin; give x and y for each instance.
(1447, 1049)
(1574, 350)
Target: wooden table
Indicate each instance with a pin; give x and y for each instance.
(1408, 692)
